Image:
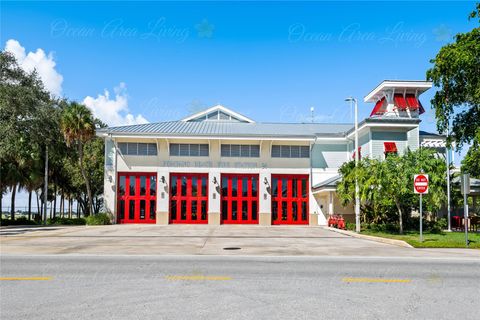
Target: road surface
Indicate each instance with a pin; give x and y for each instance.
(237, 287)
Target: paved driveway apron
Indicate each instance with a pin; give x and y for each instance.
(201, 240)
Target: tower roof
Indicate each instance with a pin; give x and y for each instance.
(416, 87)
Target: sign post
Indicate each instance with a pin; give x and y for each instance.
(465, 188)
(420, 186)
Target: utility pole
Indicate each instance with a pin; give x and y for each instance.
(447, 156)
(465, 190)
(357, 196)
(45, 188)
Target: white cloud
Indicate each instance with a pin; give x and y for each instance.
(113, 111)
(43, 63)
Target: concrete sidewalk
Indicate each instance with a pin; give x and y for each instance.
(203, 240)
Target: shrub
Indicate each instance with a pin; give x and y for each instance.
(66, 221)
(98, 219)
(21, 221)
(350, 226)
(436, 226)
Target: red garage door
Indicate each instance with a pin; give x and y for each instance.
(188, 197)
(239, 199)
(136, 197)
(290, 199)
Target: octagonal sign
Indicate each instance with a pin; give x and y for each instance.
(420, 183)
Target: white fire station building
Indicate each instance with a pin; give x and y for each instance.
(221, 167)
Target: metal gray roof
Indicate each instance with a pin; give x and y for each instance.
(219, 128)
(386, 120)
(331, 182)
(430, 134)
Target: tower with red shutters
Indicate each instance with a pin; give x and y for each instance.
(397, 98)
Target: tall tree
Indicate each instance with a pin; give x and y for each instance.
(456, 72)
(23, 100)
(78, 127)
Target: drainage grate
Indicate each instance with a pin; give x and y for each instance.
(232, 248)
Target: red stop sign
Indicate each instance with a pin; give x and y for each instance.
(420, 183)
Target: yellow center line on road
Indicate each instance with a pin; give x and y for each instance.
(197, 278)
(376, 280)
(24, 278)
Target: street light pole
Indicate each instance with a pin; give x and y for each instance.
(447, 156)
(357, 196)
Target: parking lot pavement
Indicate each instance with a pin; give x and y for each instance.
(203, 240)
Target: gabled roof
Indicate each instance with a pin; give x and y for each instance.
(203, 115)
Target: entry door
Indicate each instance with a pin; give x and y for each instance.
(188, 197)
(289, 199)
(239, 199)
(136, 197)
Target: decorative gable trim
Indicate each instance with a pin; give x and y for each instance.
(203, 114)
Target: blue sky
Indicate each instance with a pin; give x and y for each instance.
(271, 61)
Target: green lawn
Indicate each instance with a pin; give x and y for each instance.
(432, 240)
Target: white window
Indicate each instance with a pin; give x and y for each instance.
(188, 150)
(240, 150)
(138, 149)
(290, 151)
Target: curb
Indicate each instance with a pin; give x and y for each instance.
(399, 243)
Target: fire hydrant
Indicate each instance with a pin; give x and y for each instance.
(341, 223)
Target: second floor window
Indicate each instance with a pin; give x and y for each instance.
(189, 150)
(138, 149)
(240, 150)
(290, 151)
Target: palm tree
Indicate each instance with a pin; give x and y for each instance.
(78, 127)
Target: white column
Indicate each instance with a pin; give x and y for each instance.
(214, 191)
(265, 190)
(330, 203)
(265, 205)
(163, 190)
(110, 179)
(163, 196)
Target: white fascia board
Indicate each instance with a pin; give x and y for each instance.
(421, 86)
(221, 108)
(324, 190)
(326, 139)
(101, 134)
(381, 125)
(209, 137)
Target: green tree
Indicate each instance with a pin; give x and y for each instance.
(471, 162)
(386, 187)
(372, 207)
(456, 72)
(78, 128)
(23, 121)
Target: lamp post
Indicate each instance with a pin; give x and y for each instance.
(447, 156)
(357, 196)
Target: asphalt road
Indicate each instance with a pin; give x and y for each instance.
(215, 287)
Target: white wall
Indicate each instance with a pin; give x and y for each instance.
(214, 165)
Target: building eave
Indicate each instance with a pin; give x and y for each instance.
(419, 85)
